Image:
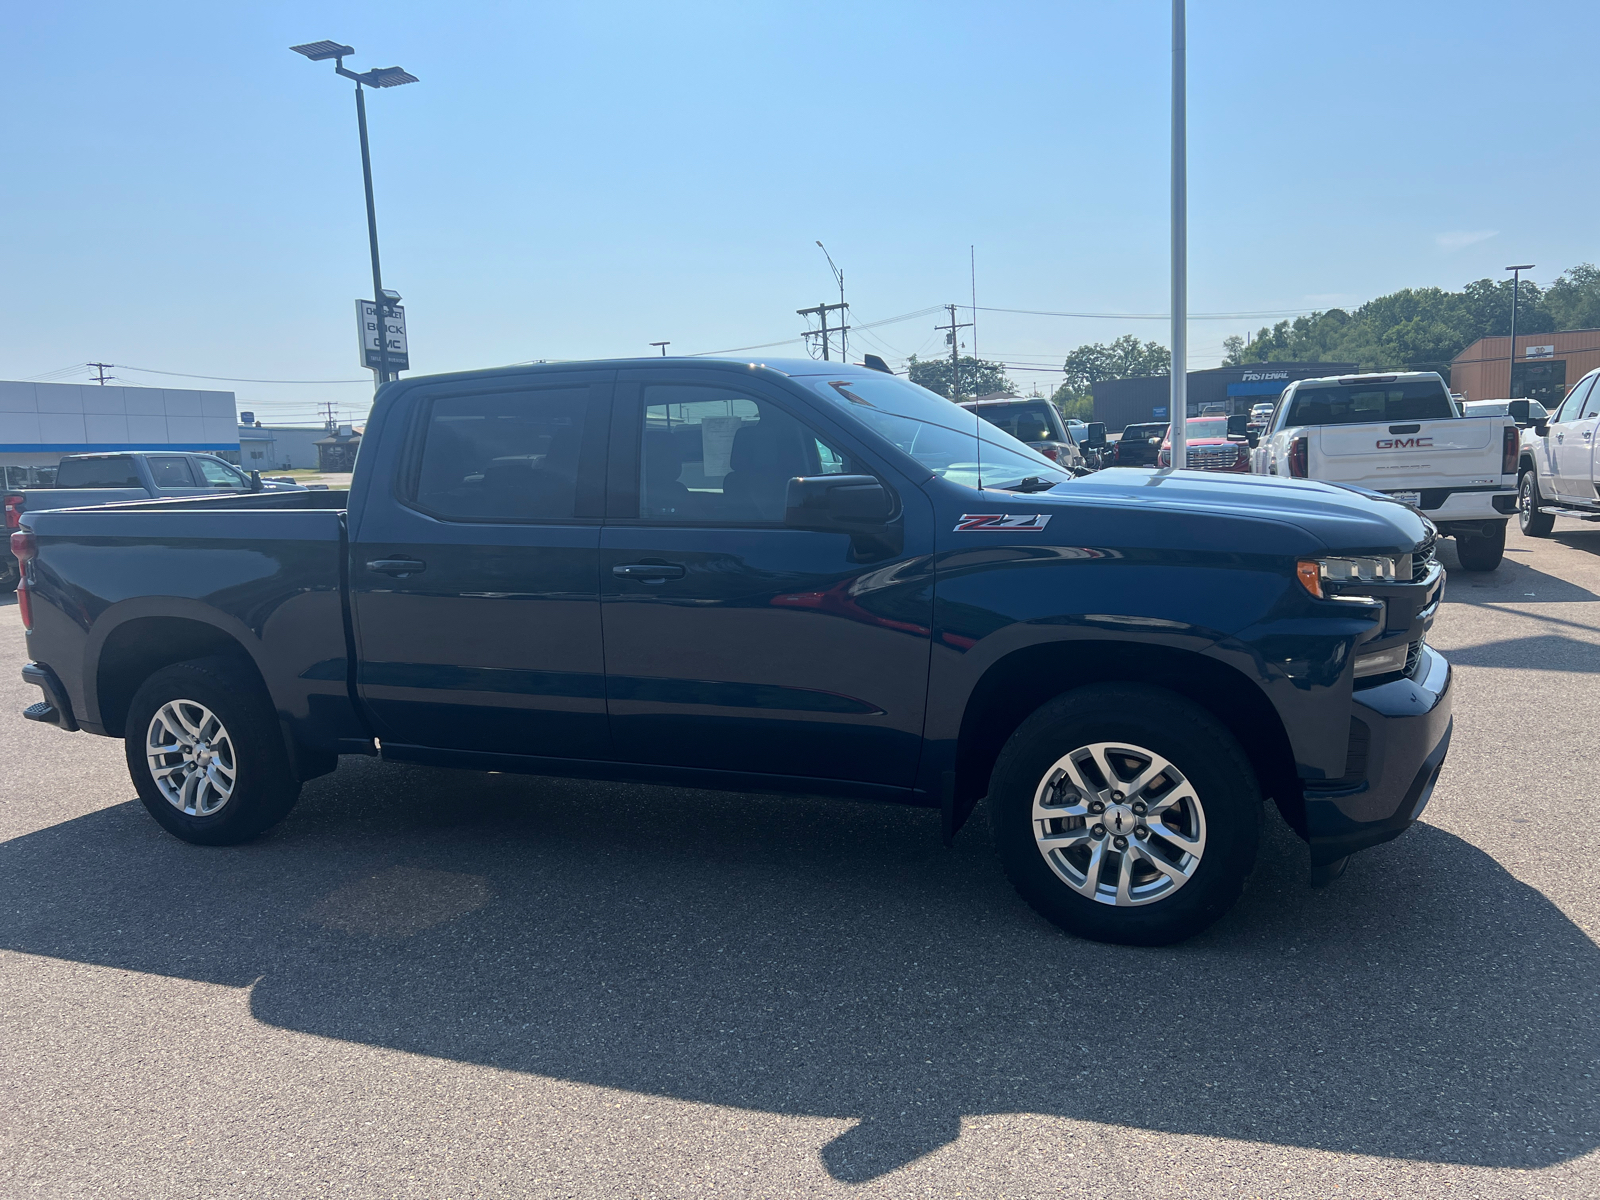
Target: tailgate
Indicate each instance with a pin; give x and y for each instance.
(1415, 452)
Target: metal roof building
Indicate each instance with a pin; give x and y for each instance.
(39, 422)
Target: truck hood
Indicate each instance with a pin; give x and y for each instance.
(1341, 517)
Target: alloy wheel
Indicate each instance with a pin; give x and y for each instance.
(191, 758)
(1119, 824)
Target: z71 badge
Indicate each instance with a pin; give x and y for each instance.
(996, 522)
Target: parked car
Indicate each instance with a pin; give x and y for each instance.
(1260, 414)
(1139, 445)
(1556, 462)
(771, 578)
(1400, 434)
(1035, 422)
(1523, 413)
(82, 479)
(1212, 447)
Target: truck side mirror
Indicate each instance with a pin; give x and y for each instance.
(1252, 438)
(859, 505)
(1542, 428)
(255, 482)
(1094, 435)
(1238, 424)
(1517, 410)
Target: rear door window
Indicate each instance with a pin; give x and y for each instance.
(171, 472)
(1374, 403)
(113, 471)
(503, 456)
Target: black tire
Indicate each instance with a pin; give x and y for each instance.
(1483, 552)
(1155, 722)
(250, 744)
(1531, 518)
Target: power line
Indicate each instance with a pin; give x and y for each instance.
(1233, 316)
(226, 378)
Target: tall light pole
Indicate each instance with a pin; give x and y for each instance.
(663, 346)
(1511, 355)
(380, 77)
(1180, 244)
(844, 351)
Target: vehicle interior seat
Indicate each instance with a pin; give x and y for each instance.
(664, 493)
(766, 455)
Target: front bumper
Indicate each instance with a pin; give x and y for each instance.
(1399, 736)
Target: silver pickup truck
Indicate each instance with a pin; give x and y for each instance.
(86, 479)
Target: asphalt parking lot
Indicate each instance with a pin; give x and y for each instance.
(429, 984)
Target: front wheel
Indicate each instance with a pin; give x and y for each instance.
(1125, 813)
(1531, 519)
(206, 753)
(1483, 552)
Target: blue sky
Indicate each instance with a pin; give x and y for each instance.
(572, 181)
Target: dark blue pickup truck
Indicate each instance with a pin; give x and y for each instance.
(782, 577)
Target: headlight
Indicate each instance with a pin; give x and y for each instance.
(1314, 573)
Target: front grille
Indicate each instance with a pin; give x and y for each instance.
(1212, 458)
(1422, 558)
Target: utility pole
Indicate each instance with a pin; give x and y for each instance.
(821, 312)
(1179, 401)
(101, 368)
(950, 332)
(1511, 354)
(972, 260)
(844, 348)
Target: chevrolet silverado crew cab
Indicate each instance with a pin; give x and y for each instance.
(1557, 465)
(801, 577)
(1401, 435)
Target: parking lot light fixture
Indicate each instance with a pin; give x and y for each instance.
(379, 77)
(1511, 354)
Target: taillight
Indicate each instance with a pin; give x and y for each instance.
(24, 547)
(1297, 458)
(14, 505)
(1509, 451)
(1051, 453)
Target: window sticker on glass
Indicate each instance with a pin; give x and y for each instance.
(716, 444)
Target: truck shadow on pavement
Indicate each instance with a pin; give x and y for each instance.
(827, 959)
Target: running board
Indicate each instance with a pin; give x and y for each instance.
(1582, 514)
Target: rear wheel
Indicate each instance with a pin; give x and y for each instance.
(1483, 552)
(206, 754)
(1125, 813)
(1531, 519)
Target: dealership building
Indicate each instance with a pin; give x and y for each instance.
(1123, 402)
(1544, 367)
(40, 422)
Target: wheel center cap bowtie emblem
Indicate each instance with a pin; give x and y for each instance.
(1119, 819)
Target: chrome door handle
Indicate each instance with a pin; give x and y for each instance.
(396, 566)
(1561, 437)
(648, 572)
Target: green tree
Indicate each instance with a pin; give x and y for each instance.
(1125, 358)
(1573, 300)
(978, 378)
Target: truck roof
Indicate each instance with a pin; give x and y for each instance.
(785, 366)
(1373, 377)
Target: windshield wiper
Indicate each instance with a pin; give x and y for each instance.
(1031, 484)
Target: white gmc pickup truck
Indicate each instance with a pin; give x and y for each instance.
(1401, 435)
(1558, 461)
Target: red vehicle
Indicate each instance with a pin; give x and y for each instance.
(1210, 447)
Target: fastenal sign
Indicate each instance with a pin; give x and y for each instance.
(394, 331)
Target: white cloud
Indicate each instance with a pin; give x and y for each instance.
(1459, 240)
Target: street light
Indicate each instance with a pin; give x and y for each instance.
(379, 77)
(844, 352)
(1179, 400)
(663, 346)
(1511, 357)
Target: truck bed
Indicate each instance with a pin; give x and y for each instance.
(264, 569)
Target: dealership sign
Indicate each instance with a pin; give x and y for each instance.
(1540, 352)
(394, 333)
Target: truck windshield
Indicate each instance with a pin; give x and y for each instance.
(1026, 421)
(940, 435)
(1374, 403)
(112, 471)
(1205, 427)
